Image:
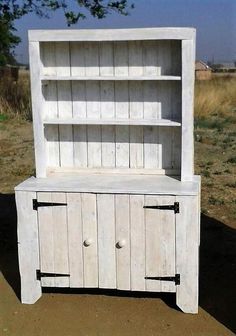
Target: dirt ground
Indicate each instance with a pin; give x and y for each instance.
(101, 313)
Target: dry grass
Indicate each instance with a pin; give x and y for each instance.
(215, 98)
(15, 98)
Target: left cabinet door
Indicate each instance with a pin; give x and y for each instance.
(67, 239)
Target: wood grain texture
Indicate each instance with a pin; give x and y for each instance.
(75, 239)
(187, 253)
(137, 244)
(123, 261)
(106, 240)
(90, 253)
(28, 251)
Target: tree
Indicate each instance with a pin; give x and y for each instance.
(11, 10)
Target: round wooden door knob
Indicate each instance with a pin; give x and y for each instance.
(121, 243)
(88, 242)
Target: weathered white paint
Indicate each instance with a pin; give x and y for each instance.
(171, 33)
(28, 250)
(112, 109)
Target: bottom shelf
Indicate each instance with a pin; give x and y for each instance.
(110, 183)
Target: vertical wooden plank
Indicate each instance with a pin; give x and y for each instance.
(151, 147)
(164, 57)
(187, 157)
(187, 250)
(77, 56)
(135, 58)
(90, 252)
(121, 58)
(60, 237)
(28, 247)
(50, 105)
(108, 132)
(165, 139)
(176, 148)
(64, 104)
(122, 132)
(93, 132)
(79, 103)
(122, 242)
(46, 238)
(106, 241)
(136, 132)
(150, 62)
(137, 243)
(79, 131)
(136, 147)
(122, 146)
(37, 103)
(160, 243)
(91, 58)
(75, 239)
(106, 59)
(176, 57)
(51, 131)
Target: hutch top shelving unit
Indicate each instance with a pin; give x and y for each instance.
(113, 101)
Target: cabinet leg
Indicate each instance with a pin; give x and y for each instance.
(28, 247)
(187, 248)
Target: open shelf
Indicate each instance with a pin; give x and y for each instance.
(142, 122)
(111, 78)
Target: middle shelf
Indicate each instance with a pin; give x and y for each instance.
(86, 121)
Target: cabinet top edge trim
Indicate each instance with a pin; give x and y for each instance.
(163, 185)
(171, 33)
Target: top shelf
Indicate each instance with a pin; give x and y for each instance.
(111, 78)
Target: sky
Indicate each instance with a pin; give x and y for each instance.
(215, 21)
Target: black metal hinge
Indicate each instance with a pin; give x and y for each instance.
(174, 207)
(40, 275)
(175, 278)
(37, 204)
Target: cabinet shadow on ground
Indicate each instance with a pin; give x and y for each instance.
(217, 266)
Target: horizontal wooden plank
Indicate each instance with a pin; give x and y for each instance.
(104, 78)
(111, 183)
(170, 33)
(147, 122)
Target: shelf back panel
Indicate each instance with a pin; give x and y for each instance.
(134, 147)
(112, 99)
(118, 58)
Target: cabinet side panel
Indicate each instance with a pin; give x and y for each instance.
(37, 104)
(28, 247)
(187, 253)
(187, 156)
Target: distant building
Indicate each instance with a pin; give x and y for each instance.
(202, 71)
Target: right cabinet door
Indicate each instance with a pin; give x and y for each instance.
(149, 233)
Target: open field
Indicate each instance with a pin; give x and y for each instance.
(126, 314)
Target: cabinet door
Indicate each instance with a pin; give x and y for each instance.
(68, 239)
(159, 243)
(147, 239)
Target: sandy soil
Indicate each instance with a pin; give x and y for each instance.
(101, 313)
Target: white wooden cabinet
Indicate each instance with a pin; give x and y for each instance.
(115, 203)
